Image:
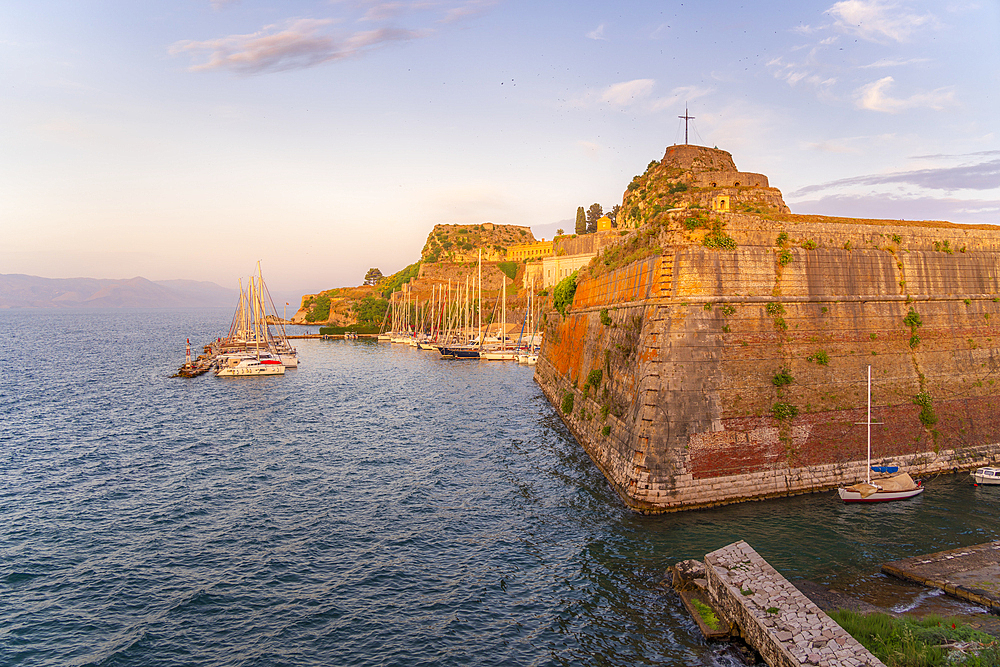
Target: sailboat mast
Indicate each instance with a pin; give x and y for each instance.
(480, 297)
(868, 472)
(503, 317)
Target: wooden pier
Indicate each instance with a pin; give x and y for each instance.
(970, 573)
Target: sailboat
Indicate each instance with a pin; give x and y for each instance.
(899, 486)
(251, 348)
(502, 353)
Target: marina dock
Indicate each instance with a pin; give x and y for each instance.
(969, 573)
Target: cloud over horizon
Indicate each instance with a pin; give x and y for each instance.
(893, 207)
(982, 176)
(299, 44)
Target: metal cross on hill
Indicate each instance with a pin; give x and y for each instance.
(686, 118)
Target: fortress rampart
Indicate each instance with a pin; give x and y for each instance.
(698, 377)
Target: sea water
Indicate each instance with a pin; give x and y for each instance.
(375, 506)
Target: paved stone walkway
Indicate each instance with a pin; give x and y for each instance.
(970, 573)
(774, 617)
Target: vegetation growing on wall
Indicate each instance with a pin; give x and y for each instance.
(820, 357)
(562, 295)
(782, 378)
(926, 416)
(784, 411)
(913, 321)
(639, 245)
(717, 239)
(593, 380)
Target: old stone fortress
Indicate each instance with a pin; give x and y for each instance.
(727, 359)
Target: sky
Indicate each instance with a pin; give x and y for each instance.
(193, 138)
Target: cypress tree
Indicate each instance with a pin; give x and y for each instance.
(581, 221)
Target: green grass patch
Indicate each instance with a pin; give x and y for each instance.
(509, 269)
(707, 615)
(911, 642)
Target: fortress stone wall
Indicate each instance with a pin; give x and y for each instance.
(739, 374)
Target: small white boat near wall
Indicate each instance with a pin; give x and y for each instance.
(988, 476)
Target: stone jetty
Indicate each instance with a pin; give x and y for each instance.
(774, 617)
(969, 573)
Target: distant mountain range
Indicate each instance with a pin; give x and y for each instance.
(21, 291)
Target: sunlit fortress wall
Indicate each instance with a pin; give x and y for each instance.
(738, 372)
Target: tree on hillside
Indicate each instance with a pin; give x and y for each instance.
(581, 221)
(559, 232)
(373, 277)
(613, 214)
(370, 310)
(594, 213)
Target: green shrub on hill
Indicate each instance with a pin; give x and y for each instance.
(393, 282)
(320, 309)
(509, 269)
(562, 295)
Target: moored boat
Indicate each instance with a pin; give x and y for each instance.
(459, 352)
(988, 476)
(243, 363)
(899, 486)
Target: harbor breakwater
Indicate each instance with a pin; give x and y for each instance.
(700, 376)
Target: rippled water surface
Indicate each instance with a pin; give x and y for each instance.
(376, 506)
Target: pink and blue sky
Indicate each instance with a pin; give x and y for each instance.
(191, 138)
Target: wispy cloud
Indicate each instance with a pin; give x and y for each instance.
(939, 156)
(878, 21)
(597, 33)
(467, 10)
(306, 42)
(874, 96)
(981, 176)
(805, 72)
(638, 94)
(892, 62)
(894, 207)
(384, 11)
(299, 44)
(628, 92)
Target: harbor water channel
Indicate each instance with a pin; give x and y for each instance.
(375, 506)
